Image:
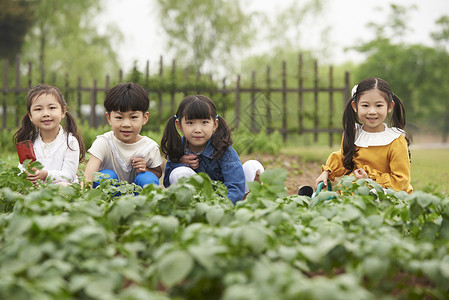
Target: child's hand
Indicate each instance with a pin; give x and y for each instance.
(38, 174)
(139, 164)
(360, 174)
(323, 177)
(191, 160)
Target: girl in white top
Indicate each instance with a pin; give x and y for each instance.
(59, 149)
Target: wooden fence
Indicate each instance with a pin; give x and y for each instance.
(250, 103)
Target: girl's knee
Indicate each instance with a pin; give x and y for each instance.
(145, 178)
(180, 172)
(111, 175)
(252, 169)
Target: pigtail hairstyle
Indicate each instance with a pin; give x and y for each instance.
(349, 121)
(30, 132)
(71, 127)
(26, 132)
(398, 117)
(195, 107)
(171, 142)
(221, 139)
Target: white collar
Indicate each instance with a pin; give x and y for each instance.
(366, 139)
(55, 141)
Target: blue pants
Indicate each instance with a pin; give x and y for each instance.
(142, 179)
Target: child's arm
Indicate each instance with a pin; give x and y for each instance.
(156, 171)
(141, 166)
(93, 165)
(333, 168)
(233, 175)
(323, 177)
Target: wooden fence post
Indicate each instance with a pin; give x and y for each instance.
(173, 82)
(159, 94)
(268, 109)
(18, 100)
(331, 106)
(78, 98)
(30, 74)
(223, 103)
(237, 103)
(284, 102)
(300, 95)
(315, 93)
(106, 90)
(253, 101)
(5, 90)
(347, 87)
(93, 102)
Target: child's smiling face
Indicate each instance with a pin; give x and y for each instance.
(127, 125)
(372, 109)
(197, 132)
(46, 114)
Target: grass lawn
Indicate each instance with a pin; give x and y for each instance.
(430, 170)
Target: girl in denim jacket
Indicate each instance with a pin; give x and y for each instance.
(204, 147)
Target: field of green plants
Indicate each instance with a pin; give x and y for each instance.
(189, 242)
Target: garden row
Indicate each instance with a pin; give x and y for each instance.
(189, 242)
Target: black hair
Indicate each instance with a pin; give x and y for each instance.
(127, 96)
(29, 132)
(195, 107)
(398, 118)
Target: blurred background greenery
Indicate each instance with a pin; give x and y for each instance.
(63, 41)
(64, 37)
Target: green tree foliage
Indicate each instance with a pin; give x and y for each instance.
(65, 39)
(202, 32)
(442, 36)
(417, 73)
(395, 25)
(16, 17)
(287, 28)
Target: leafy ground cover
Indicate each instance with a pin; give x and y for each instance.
(188, 242)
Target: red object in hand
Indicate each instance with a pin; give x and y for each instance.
(25, 151)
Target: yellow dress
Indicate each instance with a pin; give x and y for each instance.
(383, 156)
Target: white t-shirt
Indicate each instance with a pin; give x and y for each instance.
(117, 156)
(58, 159)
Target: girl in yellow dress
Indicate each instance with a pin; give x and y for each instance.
(371, 149)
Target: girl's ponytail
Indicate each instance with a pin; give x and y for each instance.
(398, 117)
(349, 121)
(26, 132)
(71, 127)
(221, 139)
(171, 142)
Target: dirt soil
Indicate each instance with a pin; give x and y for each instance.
(299, 172)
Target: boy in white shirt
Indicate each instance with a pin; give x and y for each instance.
(123, 153)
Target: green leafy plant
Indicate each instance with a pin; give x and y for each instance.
(189, 242)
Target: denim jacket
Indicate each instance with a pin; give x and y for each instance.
(227, 169)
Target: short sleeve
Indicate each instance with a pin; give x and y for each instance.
(154, 158)
(99, 148)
